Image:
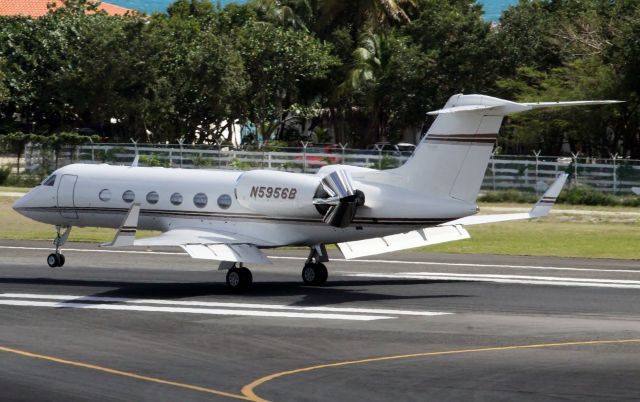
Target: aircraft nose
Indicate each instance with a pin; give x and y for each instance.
(19, 204)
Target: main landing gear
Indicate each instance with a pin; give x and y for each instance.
(239, 278)
(57, 259)
(314, 271)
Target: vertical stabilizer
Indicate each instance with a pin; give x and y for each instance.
(452, 158)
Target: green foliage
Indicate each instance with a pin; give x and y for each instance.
(4, 174)
(585, 195)
(153, 161)
(366, 70)
(388, 162)
(520, 197)
(239, 164)
(201, 161)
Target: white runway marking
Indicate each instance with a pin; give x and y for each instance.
(201, 307)
(518, 279)
(219, 304)
(394, 262)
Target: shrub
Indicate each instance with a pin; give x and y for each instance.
(509, 196)
(4, 174)
(585, 195)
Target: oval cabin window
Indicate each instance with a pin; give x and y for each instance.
(105, 195)
(224, 201)
(200, 200)
(128, 196)
(176, 198)
(153, 197)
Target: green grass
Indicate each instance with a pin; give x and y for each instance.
(16, 227)
(6, 189)
(552, 236)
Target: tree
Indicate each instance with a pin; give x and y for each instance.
(15, 143)
(279, 62)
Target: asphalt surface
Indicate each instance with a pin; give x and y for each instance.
(158, 326)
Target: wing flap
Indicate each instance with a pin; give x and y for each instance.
(415, 238)
(245, 253)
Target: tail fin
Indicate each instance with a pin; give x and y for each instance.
(452, 158)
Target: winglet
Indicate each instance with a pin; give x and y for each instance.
(127, 232)
(549, 198)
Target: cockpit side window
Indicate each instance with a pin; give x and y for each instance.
(49, 181)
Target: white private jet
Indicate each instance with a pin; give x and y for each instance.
(230, 216)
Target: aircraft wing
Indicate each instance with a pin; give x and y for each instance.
(539, 210)
(446, 232)
(209, 245)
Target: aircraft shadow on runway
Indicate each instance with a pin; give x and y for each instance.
(333, 293)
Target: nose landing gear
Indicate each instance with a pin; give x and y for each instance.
(314, 271)
(57, 259)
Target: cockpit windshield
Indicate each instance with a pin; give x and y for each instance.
(49, 181)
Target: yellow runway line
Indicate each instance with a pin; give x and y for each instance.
(249, 390)
(123, 373)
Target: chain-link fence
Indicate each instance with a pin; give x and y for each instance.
(531, 173)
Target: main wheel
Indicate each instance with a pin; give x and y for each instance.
(239, 278)
(314, 274)
(61, 260)
(53, 260)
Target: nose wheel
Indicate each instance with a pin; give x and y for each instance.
(55, 260)
(239, 278)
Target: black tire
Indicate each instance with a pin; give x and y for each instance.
(53, 261)
(315, 274)
(61, 260)
(239, 279)
(247, 277)
(322, 274)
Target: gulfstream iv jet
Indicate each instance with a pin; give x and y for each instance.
(231, 216)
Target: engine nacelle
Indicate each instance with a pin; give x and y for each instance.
(278, 193)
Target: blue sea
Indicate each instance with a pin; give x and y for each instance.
(492, 8)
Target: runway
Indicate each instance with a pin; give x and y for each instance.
(123, 325)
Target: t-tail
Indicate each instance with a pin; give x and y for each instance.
(452, 159)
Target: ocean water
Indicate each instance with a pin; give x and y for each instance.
(492, 8)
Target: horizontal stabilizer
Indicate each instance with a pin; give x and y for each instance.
(126, 235)
(416, 238)
(500, 107)
(245, 253)
(537, 105)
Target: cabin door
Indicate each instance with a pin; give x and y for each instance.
(66, 190)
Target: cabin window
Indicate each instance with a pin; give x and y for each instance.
(200, 200)
(176, 198)
(49, 181)
(105, 195)
(128, 196)
(153, 197)
(224, 201)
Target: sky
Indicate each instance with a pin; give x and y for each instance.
(493, 8)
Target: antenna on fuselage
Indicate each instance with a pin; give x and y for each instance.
(137, 157)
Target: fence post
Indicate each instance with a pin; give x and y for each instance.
(537, 154)
(575, 167)
(493, 169)
(615, 172)
(344, 147)
(379, 148)
(136, 158)
(304, 155)
(181, 141)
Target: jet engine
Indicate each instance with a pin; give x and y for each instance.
(337, 199)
